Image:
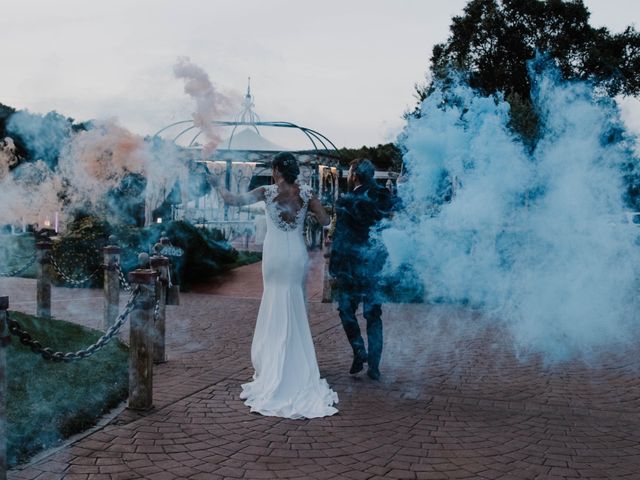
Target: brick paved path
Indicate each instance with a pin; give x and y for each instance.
(453, 403)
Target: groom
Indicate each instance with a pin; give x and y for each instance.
(356, 261)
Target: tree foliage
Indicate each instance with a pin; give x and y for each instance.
(78, 249)
(492, 42)
(37, 137)
(5, 114)
(387, 157)
(43, 136)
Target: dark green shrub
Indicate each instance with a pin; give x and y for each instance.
(78, 253)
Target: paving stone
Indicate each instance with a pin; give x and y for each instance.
(454, 402)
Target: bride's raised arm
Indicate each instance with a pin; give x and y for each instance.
(236, 200)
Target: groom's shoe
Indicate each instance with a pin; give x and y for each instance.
(359, 359)
(373, 373)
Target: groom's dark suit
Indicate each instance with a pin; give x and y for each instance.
(356, 262)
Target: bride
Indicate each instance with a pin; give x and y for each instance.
(286, 382)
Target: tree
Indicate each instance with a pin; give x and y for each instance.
(385, 157)
(492, 43)
(37, 137)
(44, 136)
(5, 114)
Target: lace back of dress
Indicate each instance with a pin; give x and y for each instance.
(273, 211)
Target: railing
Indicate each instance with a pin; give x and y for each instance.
(151, 290)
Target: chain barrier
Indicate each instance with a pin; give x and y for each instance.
(156, 311)
(48, 353)
(126, 286)
(25, 257)
(21, 269)
(67, 278)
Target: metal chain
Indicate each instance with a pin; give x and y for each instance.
(23, 257)
(126, 286)
(68, 278)
(48, 353)
(19, 270)
(156, 310)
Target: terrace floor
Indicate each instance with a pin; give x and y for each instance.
(454, 401)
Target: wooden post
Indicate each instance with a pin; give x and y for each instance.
(111, 283)
(5, 339)
(326, 281)
(160, 264)
(140, 337)
(173, 291)
(43, 285)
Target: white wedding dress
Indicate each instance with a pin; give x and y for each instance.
(286, 382)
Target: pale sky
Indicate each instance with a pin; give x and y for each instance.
(346, 68)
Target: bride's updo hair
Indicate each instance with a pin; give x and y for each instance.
(287, 165)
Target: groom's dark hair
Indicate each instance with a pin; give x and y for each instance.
(363, 169)
(287, 164)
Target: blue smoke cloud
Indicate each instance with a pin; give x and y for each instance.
(539, 240)
(44, 135)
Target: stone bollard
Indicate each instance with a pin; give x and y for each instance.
(5, 339)
(111, 283)
(160, 264)
(140, 337)
(43, 285)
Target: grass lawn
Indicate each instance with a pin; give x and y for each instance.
(16, 251)
(48, 402)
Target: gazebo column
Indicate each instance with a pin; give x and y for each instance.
(227, 185)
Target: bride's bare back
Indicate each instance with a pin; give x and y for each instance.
(288, 202)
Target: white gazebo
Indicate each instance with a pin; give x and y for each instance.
(243, 158)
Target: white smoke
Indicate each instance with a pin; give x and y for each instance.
(91, 164)
(163, 167)
(539, 240)
(85, 165)
(29, 194)
(96, 161)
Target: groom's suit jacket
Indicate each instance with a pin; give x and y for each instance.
(356, 259)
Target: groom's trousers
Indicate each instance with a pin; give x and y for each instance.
(372, 312)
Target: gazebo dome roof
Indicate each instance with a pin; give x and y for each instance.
(186, 133)
(249, 139)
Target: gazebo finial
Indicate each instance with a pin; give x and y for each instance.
(248, 98)
(247, 114)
